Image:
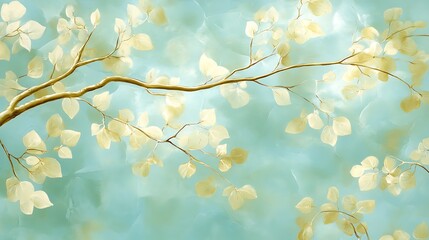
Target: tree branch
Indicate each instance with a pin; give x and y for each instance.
(11, 113)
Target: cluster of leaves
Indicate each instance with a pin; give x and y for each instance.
(190, 137)
(421, 154)
(299, 30)
(38, 166)
(23, 191)
(421, 232)
(73, 35)
(396, 174)
(340, 126)
(20, 36)
(347, 213)
(382, 51)
(372, 59)
(129, 36)
(11, 29)
(69, 54)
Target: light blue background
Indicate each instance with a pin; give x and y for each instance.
(99, 198)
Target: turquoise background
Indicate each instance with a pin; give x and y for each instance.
(99, 198)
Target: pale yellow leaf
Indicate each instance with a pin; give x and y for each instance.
(69, 137)
(390, 48)
(368, 181)
(217, 134)
(401, 235)
(407, 180)
(198, 140)
(392, 14)
(319, 7)
(41, 200)
(418, 70)
(327, 105)
(95, 17)
(236, 96)
(70, 107)
(411, 103)
(137, 139)
(350, 91)
(12, 188)
(32, 160)
(296, 125)
(34, 143)
(349, 202)
(281, 96)
(389, 165)
(205, 188)
(386, 237)
(238, 155)
(305, 205)
(357, 171)
(421, 231)
(96, 128)
(248, 192)
(225, 164)
(117, 129)
(228, 190)
(141, 168)
(283, 49)
(195, 141)
(4, 51)
(54, 125)
(235, 199)
(370, 162)
(25, 41)
(134, 15)
(12, 27)
(328, 136)
(345, 226)
(306, 233)
(329, 77)
(51, 167)
(186, 170)
(103, 139)
(154, 132)
(208, 117)
(157, 16)
(314, 120)
(120, 26)
(12, 11)
(142, 42)
(126, 115)
(221, 150)
(206, 64)
(59, 87)
(65, 152)
(35, 67)
(143, 120)
(365, 206)
(341, 126)
(333, 194)
(56, 55)
(369, 33)
(102, 101)
(26, 206)
(251, 29)
(277, 34)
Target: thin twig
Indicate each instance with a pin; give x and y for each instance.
(8, 155)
